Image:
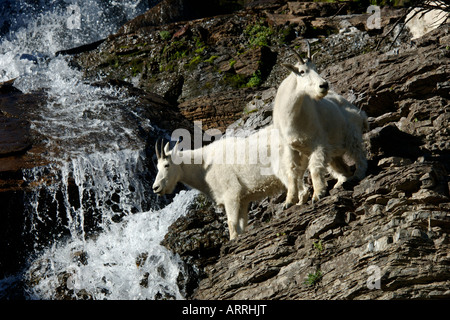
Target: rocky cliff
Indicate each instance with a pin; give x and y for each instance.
(386, 237)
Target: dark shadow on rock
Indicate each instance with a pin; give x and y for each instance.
(389, 141)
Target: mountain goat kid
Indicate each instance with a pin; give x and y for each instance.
(228, 172)
(317, 127)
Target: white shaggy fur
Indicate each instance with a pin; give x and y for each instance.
(228, 173)
(316, 130)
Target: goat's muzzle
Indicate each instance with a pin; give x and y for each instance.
(324, 86)
(157, 189)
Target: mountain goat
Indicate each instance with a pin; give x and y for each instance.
(229, 172)
(317, 127)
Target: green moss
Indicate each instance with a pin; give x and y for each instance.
(165, 35)
(211, 59)
(201, 202)
(113, 63)
(318, 246)
(200, 50)
(255, 80)
(167, 66)
(235, 80)
(136, 67)
(259, 34)
(314, 278)
(193, 63)
(175, 50)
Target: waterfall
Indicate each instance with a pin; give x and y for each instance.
(92, 223)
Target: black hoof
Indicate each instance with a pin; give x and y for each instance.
(288, 205)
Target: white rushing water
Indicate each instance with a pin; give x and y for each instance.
(126, 262)
(97, 167)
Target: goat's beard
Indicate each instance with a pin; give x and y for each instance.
(320, 95)
(170, 188)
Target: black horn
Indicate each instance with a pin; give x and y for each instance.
(158, 154)
(308, 50)
(299, 58)
(163, 155)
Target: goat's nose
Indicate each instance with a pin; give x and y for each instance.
(155, 188)
(324, 85)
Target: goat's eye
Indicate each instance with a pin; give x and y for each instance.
(166, 165)
(302, 72)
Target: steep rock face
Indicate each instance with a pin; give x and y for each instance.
(328, 251)
(168, 11)
(410, 72)
(216, 111)
(218, 58)
(386, 237)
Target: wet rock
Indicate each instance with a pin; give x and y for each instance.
(8, 86)
(26, 171)
(15, 114)
(199, 235)
(15, 135)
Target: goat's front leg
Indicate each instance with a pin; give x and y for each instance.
(289, 172)
(317, 167)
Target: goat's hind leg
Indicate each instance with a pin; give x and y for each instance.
(303, 193)
(358, 154)
(287, 175)
(339, 170)
(243, 217)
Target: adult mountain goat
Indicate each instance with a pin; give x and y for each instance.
(231, 171)
(317, 127)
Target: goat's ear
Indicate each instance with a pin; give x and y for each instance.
(290, 67)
